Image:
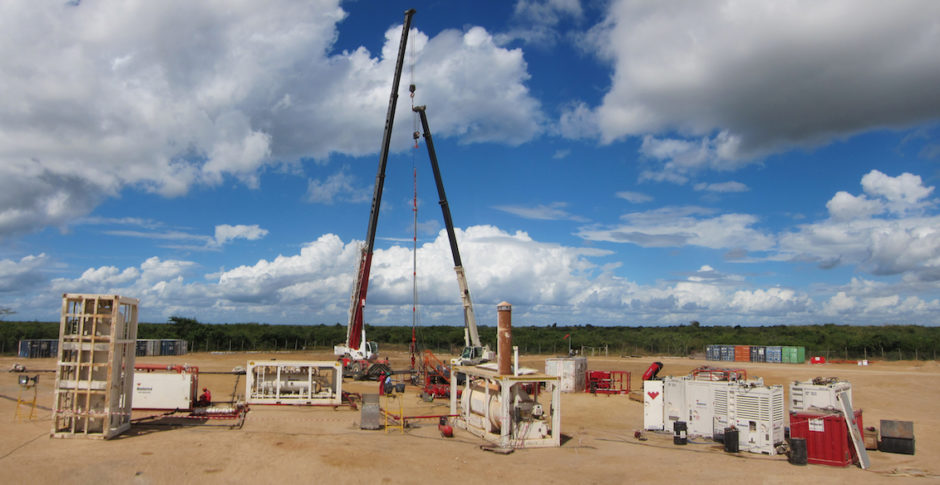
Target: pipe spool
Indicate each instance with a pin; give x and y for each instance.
(504, 337)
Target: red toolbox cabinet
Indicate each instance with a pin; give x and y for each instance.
(827, 438)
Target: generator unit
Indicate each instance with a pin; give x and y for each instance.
(758, 414)
(165, 386)
(708, 407)
(819, 393)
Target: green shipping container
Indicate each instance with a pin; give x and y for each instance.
(789, 353)
(793, 355)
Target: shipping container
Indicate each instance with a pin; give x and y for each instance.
(791, 355)
(773, 354)
(727, 353)
(758, 353)
(742, 353)
(827, 438)
(713, 352)
(571, 370)
(38, 348)
(170, 347)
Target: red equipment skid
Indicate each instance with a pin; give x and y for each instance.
(607, 382)
(436, 376)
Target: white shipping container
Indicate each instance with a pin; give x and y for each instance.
(653, 405)
(163, 390)
(806, 395)
(570, 370)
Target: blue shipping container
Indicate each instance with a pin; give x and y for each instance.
(758, 353)
(727, 353)
(713, 352)
(24, 349)
(773, 354)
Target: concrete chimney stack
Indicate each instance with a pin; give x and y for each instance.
(504, 337)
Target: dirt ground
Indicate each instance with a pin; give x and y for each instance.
(322, 445)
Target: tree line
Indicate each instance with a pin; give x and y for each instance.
(834, 341)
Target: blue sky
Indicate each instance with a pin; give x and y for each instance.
(606, 162)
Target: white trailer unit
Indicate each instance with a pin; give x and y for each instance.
(675, 403)
(758, 414)
(701, 397)
(162, 390)
(298, 383)
(653, 405)
(818, 393)
(571, 371)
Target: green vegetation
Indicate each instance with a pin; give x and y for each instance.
(890, 342)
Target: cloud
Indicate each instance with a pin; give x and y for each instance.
(337, 187)
(736, 81)
(537, 21)
(23, 275)
(551, 212)
(772, 301)
(546, 282)
(845, 206)
(905, 241)
(902, 194)
(681, 226)
(232, 91)
(225, 233)
(722, 187)
(634, 197)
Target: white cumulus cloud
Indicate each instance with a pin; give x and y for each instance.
(162, 96)
(727, 82)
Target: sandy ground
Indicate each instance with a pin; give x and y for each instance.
(320, 445)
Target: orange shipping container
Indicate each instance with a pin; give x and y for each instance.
(742, 353)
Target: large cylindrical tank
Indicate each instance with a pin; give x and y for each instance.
(474, 401)
(504, 337)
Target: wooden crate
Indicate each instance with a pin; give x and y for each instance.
(95, 371)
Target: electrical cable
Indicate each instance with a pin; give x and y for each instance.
(14, 450)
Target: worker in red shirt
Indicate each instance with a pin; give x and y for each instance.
(206, 398)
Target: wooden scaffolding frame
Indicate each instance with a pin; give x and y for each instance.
(95, 371)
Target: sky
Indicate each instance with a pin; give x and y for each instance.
(606, 162)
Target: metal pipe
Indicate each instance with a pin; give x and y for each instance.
(504, 337)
